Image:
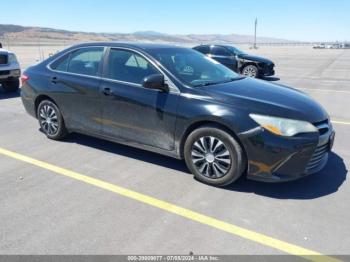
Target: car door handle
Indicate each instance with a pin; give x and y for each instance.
(54, 80)
(107, 91)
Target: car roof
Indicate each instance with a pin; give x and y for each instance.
(5, 51)
(135, 45)
(222, 45)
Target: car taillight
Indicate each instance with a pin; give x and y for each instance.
(24, 78)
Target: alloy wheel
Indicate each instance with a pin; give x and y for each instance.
(250, 71)
(211, 157)
(49, 120)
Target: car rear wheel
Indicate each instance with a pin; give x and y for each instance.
(51, 120)
(11, 85)
(250, 71)
(214, 156)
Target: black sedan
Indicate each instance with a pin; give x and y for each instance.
(238, 61)
(178, 102)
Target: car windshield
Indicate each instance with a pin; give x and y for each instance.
(12, 58)
(192, 67)
(235, 50)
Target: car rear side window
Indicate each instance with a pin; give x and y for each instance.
(128, 66)
(85, 61)
(219, 50)
(61, 64)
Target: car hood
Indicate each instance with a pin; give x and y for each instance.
(262, 97)
(258, 59)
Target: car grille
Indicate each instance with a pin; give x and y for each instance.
(3, 73)
(3, 59)
(269, 66)
(317, 157)
(322, 150)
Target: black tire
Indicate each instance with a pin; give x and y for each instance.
(250, 71)
(11, 85)
(237, 158)
(57, 130)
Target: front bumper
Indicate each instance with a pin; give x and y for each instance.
(273, 158)
(6, 75)
(267, 70)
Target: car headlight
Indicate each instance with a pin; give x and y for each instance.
(283, 126)
(16, 72)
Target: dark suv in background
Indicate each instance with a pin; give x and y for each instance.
(238, 61)
(10, 71)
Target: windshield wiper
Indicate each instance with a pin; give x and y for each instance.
(220, 82)
(207, 84)
(231, 79)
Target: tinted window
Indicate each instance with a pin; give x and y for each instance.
(128, 66)
(61, 64)
(3, 59)
(12, 59)
(218, 50)
(85, 61)
(192, 67)
(204, 49)
(235, 50)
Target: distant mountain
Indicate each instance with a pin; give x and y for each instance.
(149, 33)
(21, 34)
(10, 29)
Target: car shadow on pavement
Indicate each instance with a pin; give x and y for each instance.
(8, 95)
(317, 185)
(324, 183)
(128, 151)
(271, 78)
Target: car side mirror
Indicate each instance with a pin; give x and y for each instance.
(155, 81)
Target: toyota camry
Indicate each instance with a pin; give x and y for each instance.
(178, 102)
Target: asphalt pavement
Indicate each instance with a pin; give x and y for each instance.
(43, 212)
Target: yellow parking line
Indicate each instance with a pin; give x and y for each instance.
(183, 212)
(341, 122)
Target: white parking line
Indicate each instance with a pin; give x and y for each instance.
(341, 122)
(326, 90)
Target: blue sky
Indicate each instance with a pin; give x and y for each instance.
(312, 20)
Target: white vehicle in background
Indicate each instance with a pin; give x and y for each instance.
(320, 46)
(10, 71)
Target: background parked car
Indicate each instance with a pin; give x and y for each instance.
(238, 61)
(320, 46)
(10, 71)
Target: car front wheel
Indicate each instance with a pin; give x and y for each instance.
(51, 120)
(250, 71)
(214, 156)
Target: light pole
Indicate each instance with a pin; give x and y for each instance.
(256, 25)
